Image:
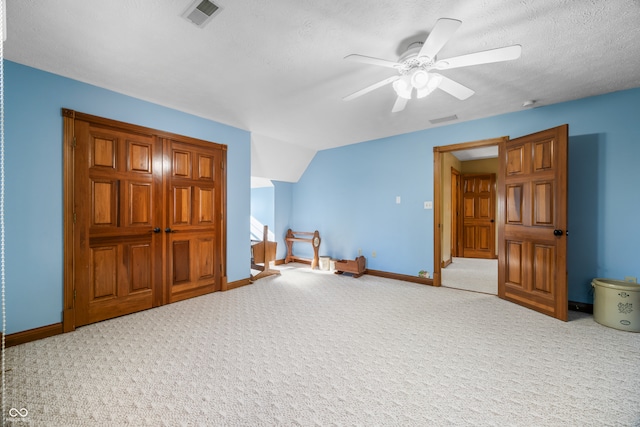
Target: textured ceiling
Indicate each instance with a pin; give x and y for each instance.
(276, 68)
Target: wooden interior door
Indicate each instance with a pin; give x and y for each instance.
(478, 201)
(194, 208)
(117, 192)
(532, 187)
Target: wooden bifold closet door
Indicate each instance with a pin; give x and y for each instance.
(144, 218)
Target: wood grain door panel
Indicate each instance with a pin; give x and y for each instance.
(121, 279)
(478, 200)
(105, 195)
(181, 207)
(533, 187)
(117, 198)
(139, 204)
(194, 266)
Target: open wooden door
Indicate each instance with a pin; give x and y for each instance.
(532, 228)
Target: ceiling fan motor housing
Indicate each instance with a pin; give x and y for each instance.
(411, 60)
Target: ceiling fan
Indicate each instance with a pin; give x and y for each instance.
(417, 65)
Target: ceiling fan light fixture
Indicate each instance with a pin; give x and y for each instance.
(403, 87)
(432, 84)
(419, 79)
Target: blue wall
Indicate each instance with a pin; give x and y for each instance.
(272, 206)
(349, 193)
(262, 210)
(283, 205)
(33, 135)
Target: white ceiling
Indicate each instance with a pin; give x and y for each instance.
(476, 153)
(276, 68)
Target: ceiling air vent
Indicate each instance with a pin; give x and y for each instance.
(200, 12)
(443, 119)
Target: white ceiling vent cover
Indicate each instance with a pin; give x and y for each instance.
(201, 12)
(443, 119)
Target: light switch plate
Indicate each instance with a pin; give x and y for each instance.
(428, 205)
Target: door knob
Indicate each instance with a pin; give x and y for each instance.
(157, 230)
(557, 232)
(168, 230)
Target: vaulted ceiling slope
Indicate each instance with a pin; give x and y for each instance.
(276, 68)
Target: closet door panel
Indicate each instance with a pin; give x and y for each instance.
(196, 206)
(117, 204)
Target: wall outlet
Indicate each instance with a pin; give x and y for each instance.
(373, 254)
(359, 252)
(630, 279)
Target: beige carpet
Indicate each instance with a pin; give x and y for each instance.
(472, 274)
(314, 349)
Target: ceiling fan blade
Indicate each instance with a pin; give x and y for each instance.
(442, 32)
(399, 104)
(485, 57)
(454, 88)
(371, 87)
(372, 61)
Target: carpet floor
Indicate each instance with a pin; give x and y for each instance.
(312, 349)
(472, 274)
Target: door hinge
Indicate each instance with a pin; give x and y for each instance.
(74, 294)
(74, 142)
(74, 217)
(222, 165)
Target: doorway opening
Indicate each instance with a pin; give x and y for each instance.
(465, 244)
(262, 228)
(532, 197)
